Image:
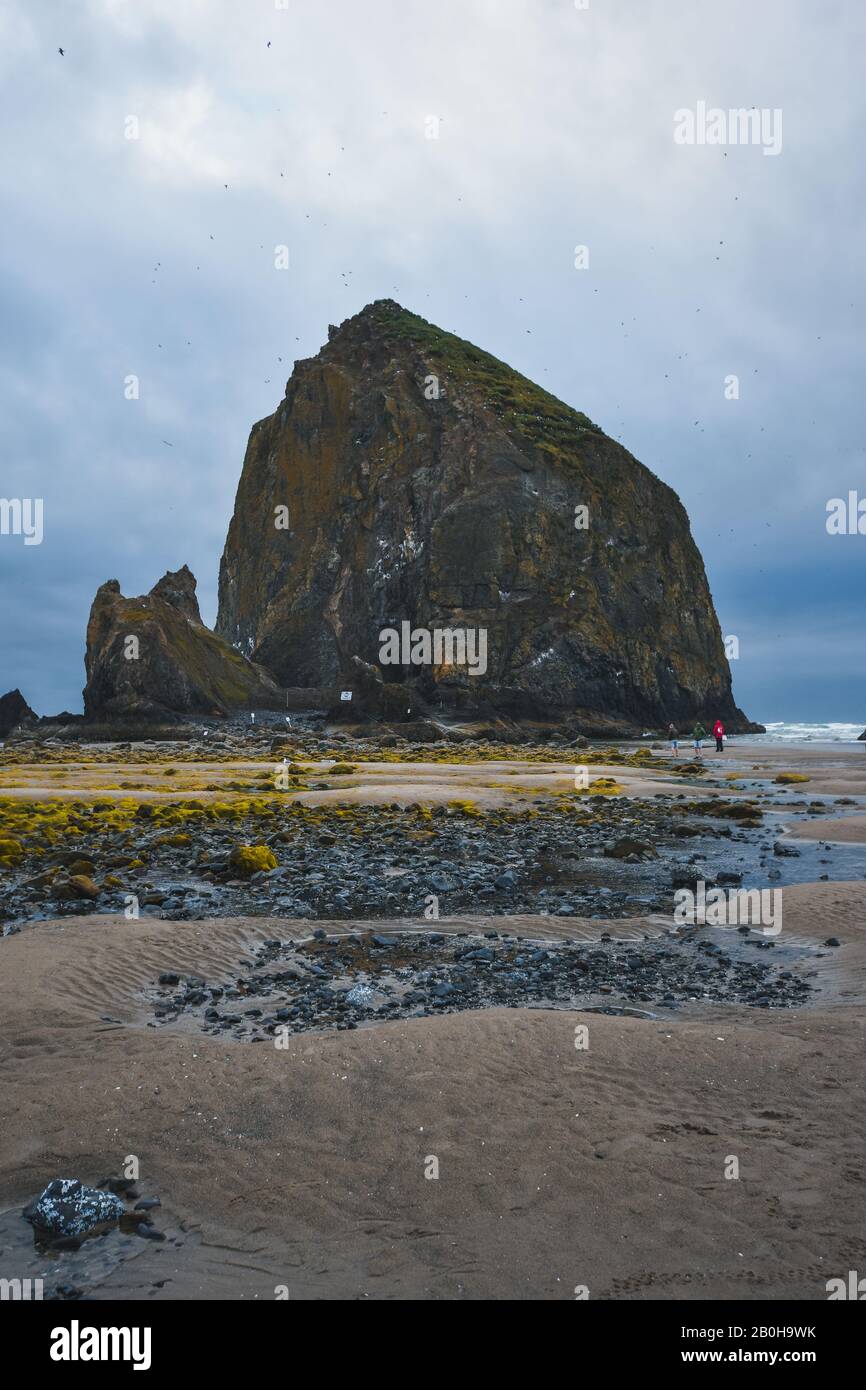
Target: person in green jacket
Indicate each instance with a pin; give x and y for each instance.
(699, 733)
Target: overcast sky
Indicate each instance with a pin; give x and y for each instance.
(556, 125)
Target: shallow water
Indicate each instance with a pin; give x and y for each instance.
(72, 1274)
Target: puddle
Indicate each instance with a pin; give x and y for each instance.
(79, 1273)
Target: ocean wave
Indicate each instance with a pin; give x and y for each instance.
(832, 732)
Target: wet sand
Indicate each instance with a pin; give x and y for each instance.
(850, 830)
(833, 769)
(375, 783)
(558, 1167)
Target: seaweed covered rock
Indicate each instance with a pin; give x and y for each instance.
(251, 859)
(151, 655)
(410, 481)
(11, 852)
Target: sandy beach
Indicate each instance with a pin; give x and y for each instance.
(300, 1171)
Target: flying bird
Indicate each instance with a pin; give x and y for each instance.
(62, 54)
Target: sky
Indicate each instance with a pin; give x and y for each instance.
(451, 156)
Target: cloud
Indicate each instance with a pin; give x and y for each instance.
(130, 256)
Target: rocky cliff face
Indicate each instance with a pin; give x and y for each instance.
(409, 478)
(146, 656)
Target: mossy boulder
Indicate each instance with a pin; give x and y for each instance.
(77, 886)
(82, 866)
(604, 786)
(250, 859)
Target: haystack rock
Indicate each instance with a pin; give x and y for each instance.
(408, 477)
(151, 655)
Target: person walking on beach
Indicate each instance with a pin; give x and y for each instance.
(699, 733)
(673, 738)
(719, 736)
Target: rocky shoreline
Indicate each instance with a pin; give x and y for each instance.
(284, 834)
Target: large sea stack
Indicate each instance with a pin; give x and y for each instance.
(409, 477)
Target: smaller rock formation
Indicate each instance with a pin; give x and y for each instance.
(151, 655)
(14, 710)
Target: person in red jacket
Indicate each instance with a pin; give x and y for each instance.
(719, 736)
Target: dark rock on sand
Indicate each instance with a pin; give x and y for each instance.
(627, 848)
(69, 1210)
